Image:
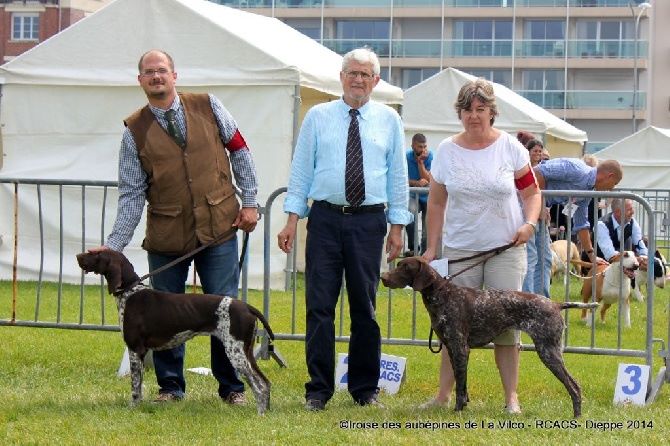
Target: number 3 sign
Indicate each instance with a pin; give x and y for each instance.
(631, 384)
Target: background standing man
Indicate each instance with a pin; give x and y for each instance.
(173, 155)
(350, 160)
(419, 159)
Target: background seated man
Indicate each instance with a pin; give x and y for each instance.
(609, 232)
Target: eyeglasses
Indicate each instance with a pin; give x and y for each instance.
(151, 73)
(354, 74)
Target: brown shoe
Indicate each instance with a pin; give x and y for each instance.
(235, 399)
(167, 398)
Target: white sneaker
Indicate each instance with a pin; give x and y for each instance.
(434, 402)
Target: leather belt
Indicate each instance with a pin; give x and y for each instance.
(351, 209)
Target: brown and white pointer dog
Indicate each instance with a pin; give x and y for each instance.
(157, 320)
(465, 317)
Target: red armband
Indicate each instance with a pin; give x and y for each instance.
(526, 180)
(236, 142)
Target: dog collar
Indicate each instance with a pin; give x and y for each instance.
(132, 290)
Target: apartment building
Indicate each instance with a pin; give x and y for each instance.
(578, 59)
(25, 23)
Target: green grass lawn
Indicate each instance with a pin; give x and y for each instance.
(60, 386)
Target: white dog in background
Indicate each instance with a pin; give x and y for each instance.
(660, 272)
(612, 281)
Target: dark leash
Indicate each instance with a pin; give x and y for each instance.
(487, 255)
(245, 242)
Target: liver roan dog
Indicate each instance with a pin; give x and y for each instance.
(157, 320)
(467, 317)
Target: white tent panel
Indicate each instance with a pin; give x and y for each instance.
(644, 157)
(428, 108)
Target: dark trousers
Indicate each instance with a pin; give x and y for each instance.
(218, 270)
(410, 228)
(352, 244)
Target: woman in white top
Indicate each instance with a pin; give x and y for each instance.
(478, 176)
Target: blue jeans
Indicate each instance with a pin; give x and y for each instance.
(217, 267)
(538, 276)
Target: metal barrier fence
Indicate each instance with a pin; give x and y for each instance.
(390, 303)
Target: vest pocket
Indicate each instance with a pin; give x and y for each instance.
(223, 208)
(165, 229)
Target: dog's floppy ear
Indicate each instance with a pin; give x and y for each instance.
(109, 267)
(422, 273)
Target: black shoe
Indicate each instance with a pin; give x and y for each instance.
(315, 405)
(371, 401)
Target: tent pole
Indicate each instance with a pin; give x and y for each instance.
(291, 258)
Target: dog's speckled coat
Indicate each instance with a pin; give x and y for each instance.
(465, 317)
(157, 320)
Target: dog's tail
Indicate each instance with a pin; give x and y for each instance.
(581, 263)
(583, 306)
(264, 321)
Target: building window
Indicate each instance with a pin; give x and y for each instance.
(546, 88)
(502, 77)
(363, 29)
(545, 29)
(483, 29)
(25, 26)
(605, 38)
(481, 38)
(413, 76)
(309, 27)
(352, 34)
(596, 30)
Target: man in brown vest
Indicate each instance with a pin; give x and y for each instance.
(177, 153)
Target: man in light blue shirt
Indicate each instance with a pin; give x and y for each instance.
(345, 236)
(567, 174)
(609, 232)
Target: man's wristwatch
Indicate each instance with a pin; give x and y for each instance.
(534, 225)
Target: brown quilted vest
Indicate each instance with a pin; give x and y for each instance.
(190, 192)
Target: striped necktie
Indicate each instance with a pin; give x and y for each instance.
(354, 180)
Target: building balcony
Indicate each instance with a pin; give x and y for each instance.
(616, 49)
(416, 3)
(28, 2)
(585, 99)
(458, 48)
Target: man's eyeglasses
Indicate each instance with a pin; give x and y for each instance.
(151, 73)
(354, 74)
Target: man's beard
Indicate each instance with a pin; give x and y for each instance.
(158, 94)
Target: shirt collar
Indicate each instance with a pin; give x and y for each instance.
(363, 111)
(176, 106)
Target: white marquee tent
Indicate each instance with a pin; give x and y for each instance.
(63, 103)
(428, 108)
(644, 157)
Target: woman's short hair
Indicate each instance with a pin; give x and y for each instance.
(532, 143)
(362, 55)
(478, 89)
